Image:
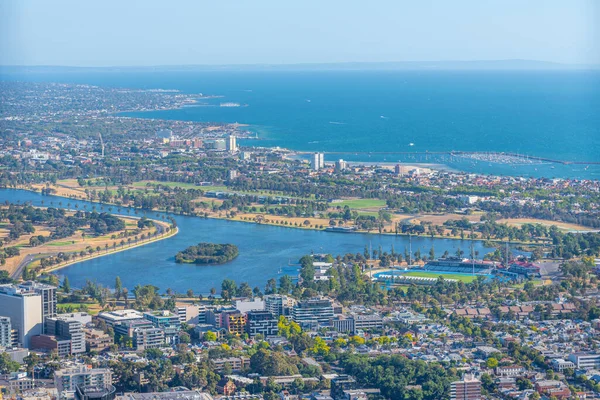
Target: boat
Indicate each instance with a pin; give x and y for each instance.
(341, 229)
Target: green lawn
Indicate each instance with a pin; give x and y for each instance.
(63, 243)
(425, 274)
(360, 203)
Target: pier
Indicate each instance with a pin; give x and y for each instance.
(467, 154)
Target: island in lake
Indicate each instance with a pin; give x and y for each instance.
(208, 253)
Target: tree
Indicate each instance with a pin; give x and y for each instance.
(25, 275)
(491, 362)
(184, 337)
(7, 365)
(118, 287)
(31, 361)
(66, 286)
(228, 289)
(244, 290)
(307, 271)
(286, 284)
(190, 293)
(210, 336)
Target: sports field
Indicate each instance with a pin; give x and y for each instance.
(427, 274)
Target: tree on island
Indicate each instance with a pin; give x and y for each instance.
(207, 253)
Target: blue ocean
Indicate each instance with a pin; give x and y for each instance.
(355, 115)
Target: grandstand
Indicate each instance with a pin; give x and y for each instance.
(462, 265)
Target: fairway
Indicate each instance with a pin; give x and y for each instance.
(360, 203)
(61, 243)
(144, 184)
(427, 274)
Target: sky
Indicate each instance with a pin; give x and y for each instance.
(186, 32)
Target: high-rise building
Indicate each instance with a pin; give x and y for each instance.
(340, 165)
(231, 144)
(68, 327)
(48, 294)
(316, 311)
(278, 304)
(468, 388)
(5, 332)
(24, 308)
(261, 322)
(317, 161)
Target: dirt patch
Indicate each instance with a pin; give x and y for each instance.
(560, 225)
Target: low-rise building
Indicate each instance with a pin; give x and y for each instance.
(510, 370)
(118, 316)
(236, 363)
(585, 360)
(559, 364)
(96, 340)
(67, 380)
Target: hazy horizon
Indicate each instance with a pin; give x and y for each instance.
(506, 64)
(269, 32)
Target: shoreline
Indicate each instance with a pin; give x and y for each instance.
(295, 227)
(54, 268)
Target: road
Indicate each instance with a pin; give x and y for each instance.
(25, 261)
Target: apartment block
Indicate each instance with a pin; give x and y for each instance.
(468, 388)
(316, 311)
(67, 380)
(278, 304)
(5, 332)
(261, 322)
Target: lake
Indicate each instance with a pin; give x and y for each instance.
(265, 251)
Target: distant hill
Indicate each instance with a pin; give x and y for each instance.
(483, 65)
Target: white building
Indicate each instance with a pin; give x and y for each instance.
(559, 365)
(114, 317)
(585, 360)
(244, 306)
(231, 144)
(191, 314)
(24, 308)
(66, 380)
(317, 161)
(315, 311)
